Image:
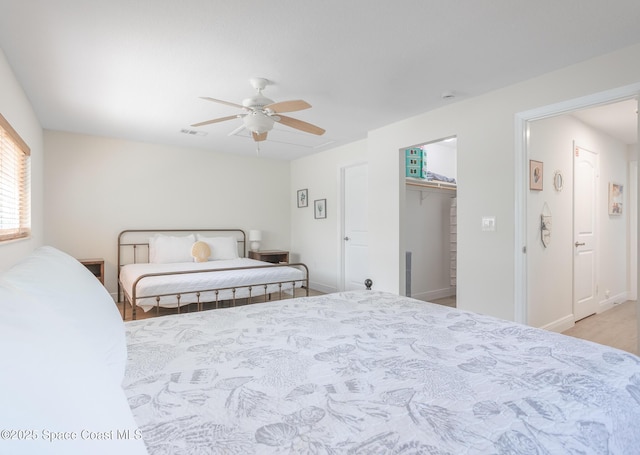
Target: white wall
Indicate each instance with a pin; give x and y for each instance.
(318, 242)
(96, 187)
(550, 276)
(16, 108)
(441, 159)
(485, 129)
(427, 234)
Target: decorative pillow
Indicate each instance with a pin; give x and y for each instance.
(57, 282)
(165, 249)
(221, 247)
(200, 251)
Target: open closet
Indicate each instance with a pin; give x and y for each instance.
(431, 221)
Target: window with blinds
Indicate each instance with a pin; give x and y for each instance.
(15, 178)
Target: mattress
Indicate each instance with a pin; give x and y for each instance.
(169, 285)
(373, 373)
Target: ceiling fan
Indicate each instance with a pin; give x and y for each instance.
(260, 113)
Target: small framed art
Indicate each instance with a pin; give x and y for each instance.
(615, 198)
(303, 198)
(535, 175)
(320, 208)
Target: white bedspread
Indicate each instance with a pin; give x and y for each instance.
(158, 285)
(373, 373)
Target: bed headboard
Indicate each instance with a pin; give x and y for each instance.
(133, 244)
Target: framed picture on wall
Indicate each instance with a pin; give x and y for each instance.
(535, 175)
(615, 198)
(320, 208)
(303, 198)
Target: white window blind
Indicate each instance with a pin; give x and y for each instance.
(15, 178)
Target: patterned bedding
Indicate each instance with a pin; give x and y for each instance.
(373, 373)
(169, 285)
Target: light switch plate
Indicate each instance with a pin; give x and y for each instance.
(488, 223)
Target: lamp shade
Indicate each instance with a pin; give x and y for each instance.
(254, 238)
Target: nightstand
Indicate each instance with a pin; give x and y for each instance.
(273, 256)
(95, 266)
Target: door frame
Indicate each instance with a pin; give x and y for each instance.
(521, 128)
(342, 214)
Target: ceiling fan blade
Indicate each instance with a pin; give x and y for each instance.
(299, 125)
(215, 120)
(288, 106)
(259, 137)
(228, 103)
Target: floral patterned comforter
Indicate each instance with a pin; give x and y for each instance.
(374, 373)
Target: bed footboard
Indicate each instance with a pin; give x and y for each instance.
(209, 294)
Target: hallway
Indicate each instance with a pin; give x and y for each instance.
(616, 327)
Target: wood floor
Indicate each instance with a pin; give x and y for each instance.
(616, 327)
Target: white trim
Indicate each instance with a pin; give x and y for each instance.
(560, 325)
(612, 301)
(322, 287)
(521, 123)
(428, 296)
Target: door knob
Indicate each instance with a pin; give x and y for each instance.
(347, 239)
(579, 244)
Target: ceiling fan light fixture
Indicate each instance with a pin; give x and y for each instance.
(257, 122)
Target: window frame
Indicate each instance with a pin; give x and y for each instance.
(18, 152)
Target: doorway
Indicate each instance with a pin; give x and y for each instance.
(354, 182)
(430, 221)
(585, 227)
(546, 291)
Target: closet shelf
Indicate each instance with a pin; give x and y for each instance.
(433, 184)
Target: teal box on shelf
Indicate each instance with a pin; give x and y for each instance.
(417, 172)
(415, 161)
(414, 152)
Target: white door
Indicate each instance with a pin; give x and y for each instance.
(355, 251)
(585, 170)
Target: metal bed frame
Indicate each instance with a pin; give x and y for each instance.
(133, 247)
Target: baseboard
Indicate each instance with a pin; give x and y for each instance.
(322, 287)
(561, 324)
(609, 303)
(567, 322)
(434, 295)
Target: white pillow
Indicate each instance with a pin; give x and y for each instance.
(54, 384)
(165, 249)
(57, 282)
(221, 247)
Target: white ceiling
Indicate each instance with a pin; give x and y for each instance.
(135, 69)
(619, 120)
